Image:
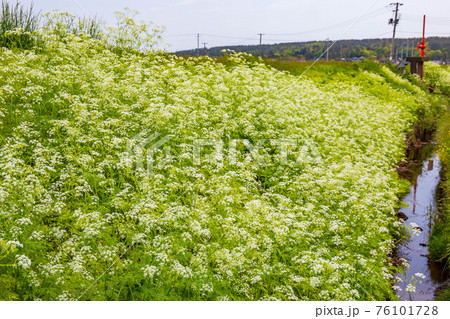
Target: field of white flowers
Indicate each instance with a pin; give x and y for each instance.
(438, 77)
(80, 219)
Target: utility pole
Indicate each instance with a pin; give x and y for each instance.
(341, 51)
(327, 48)
(204, 48)
(394, 22)
(198, 44)
(260, 44)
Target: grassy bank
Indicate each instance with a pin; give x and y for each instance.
(438, 77)
(307, 213)
(381, 81)
(439, 244)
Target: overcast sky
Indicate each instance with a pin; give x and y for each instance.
(227, 22)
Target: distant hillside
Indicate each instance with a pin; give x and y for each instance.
(373, 49)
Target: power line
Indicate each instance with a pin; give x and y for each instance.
(378, 35)
(179, 35)
(370, 15)
(333, 26)
(407, 18)
(252, 38)
(419, 32)
(430, 18)
(222, 36)
(245, 40)
(432, 22)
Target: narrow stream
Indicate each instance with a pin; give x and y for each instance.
(422, 205)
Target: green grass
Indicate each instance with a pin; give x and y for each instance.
(443, 295)
(437, 77)
(439, 244)
(440, 237)
(16, 17)
(384, 82)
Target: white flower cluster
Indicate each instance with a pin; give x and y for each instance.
(23, 261)
(250, 228)
(149, 271)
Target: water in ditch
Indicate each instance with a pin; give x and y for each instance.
(422, 205)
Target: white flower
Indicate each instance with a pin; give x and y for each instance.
(314, 281)
(23, 261)
(206, 288)
(181, 270)
(410, 288)
(38, 235)
(255, 279)
(223, 298)
(139, 237)
(149, 271)
(14, 244)
(65, 296)
(420, 275)
(24, 221)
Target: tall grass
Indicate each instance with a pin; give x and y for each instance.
(437, 77)
(89, 26)
(17, 25)
(65, 23)
(439, 244)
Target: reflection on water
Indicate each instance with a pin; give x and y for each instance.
(422, 205)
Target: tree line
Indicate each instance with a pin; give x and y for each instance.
(372, 49)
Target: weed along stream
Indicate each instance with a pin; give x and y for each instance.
(130, 172)
(422, 205)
